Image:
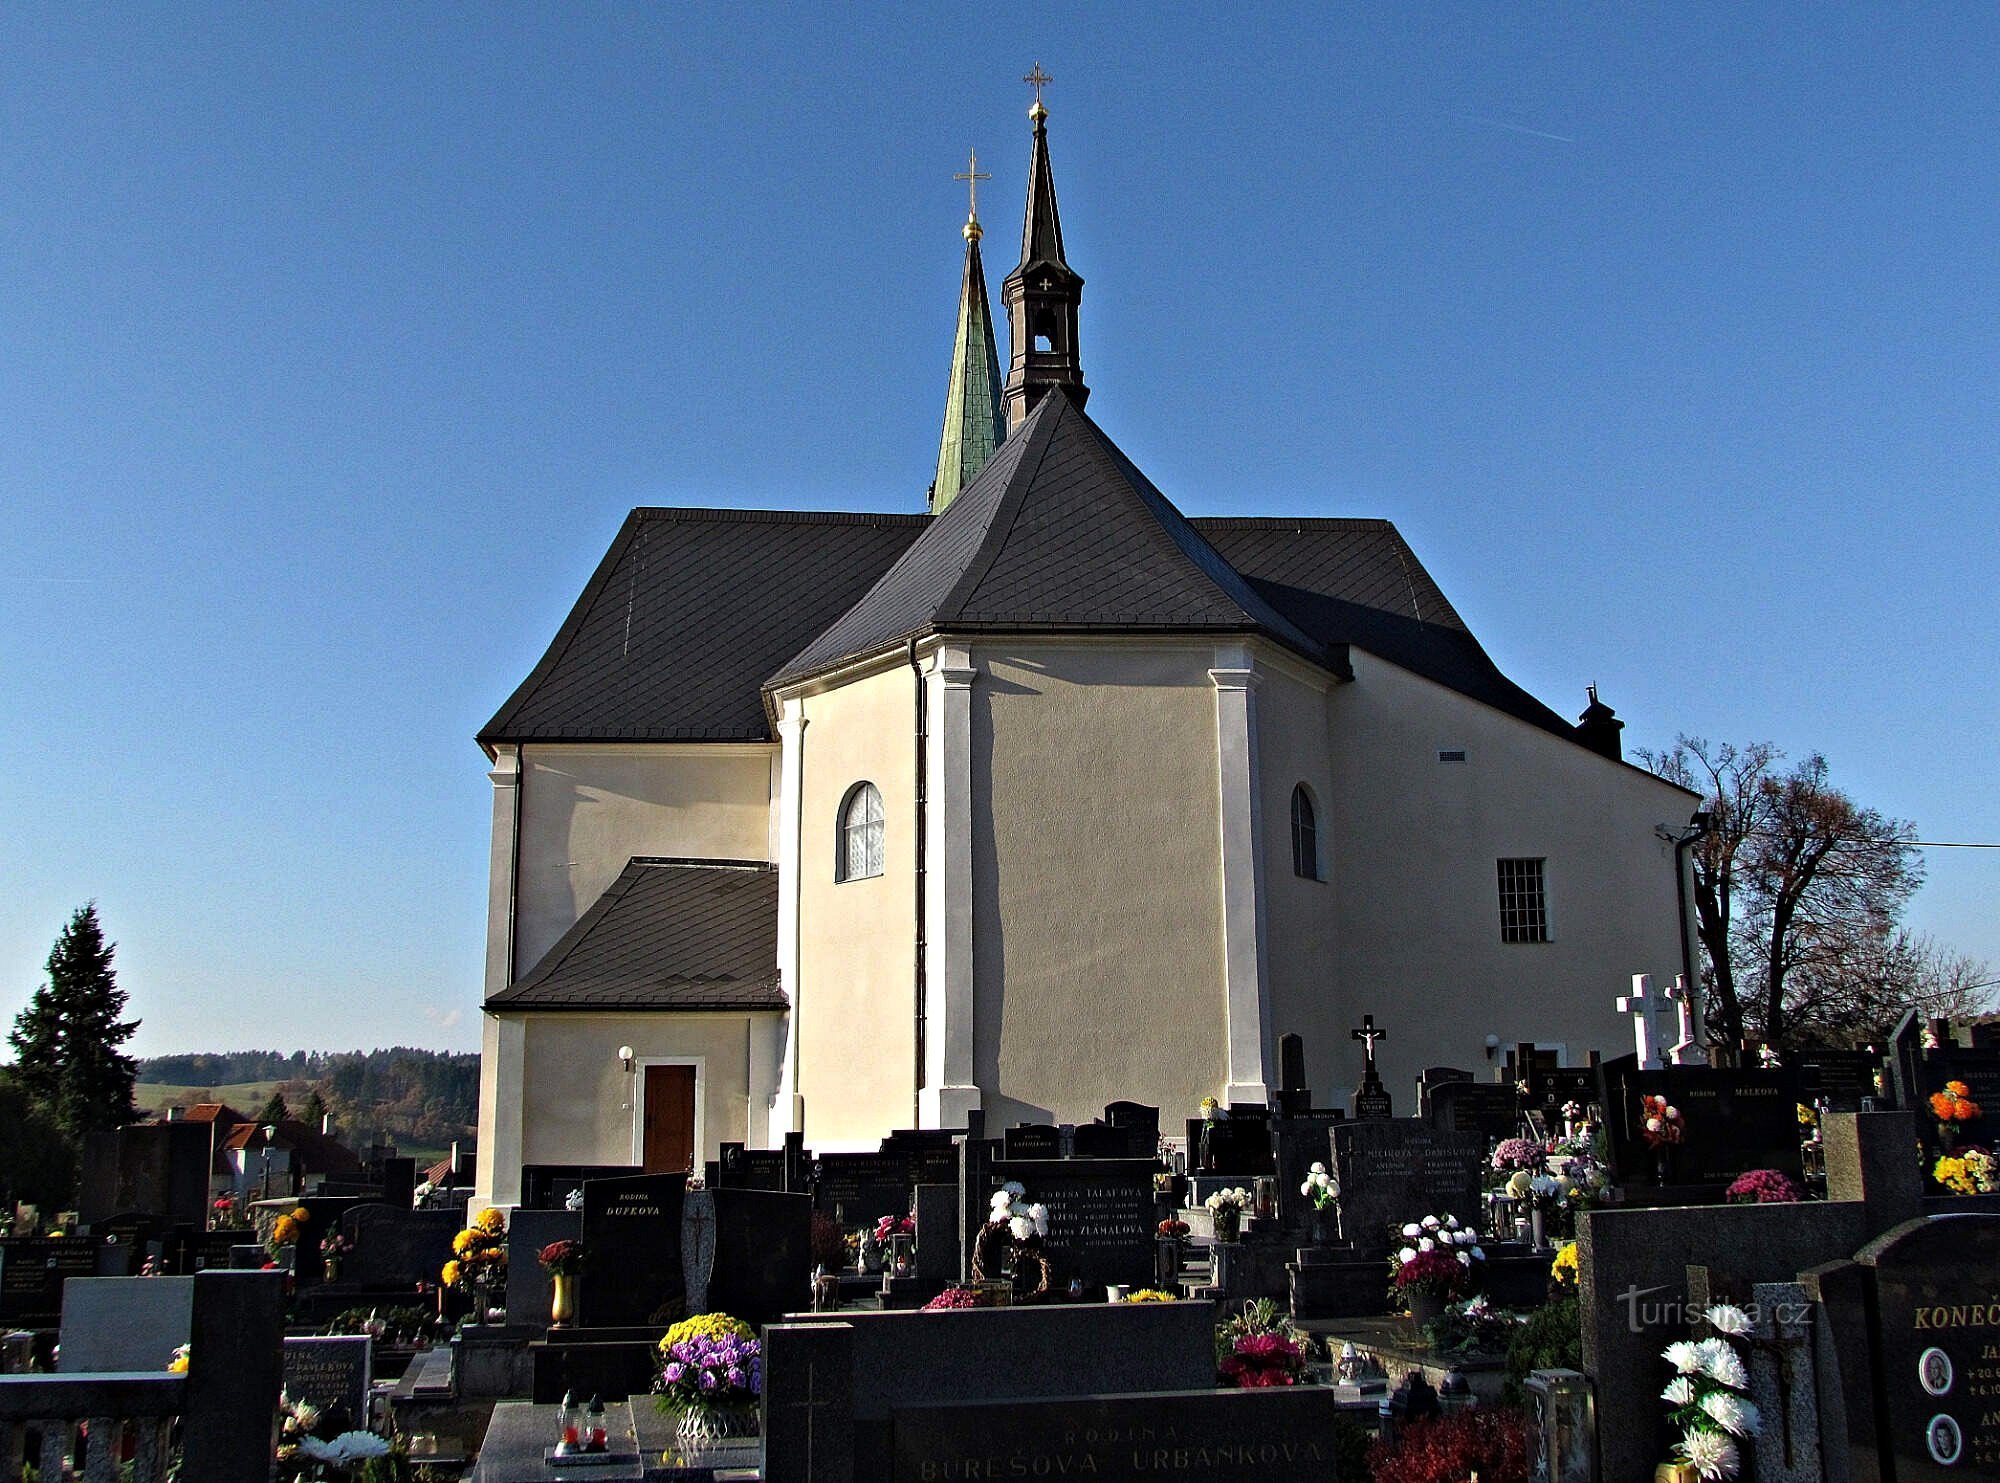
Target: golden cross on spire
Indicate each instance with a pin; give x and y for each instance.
(1038, 79)
(972, 175)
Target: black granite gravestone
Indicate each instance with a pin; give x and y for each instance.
(1302, 1142)
(1936, 1345)
(1238, 1145)
(548, 1186)
(763, 1254)
(399, 1181)
(32, 1272)
(1401, 1170)
(927, 1155)
(1839, 1079)
(1294, 1092)
(1133, 1115)
(739, 1167)
(1103, 1141)
(1484, 1107)
(1274, 1435)
(632, 1232)
(396, 1247)
(160, 1168)
(1734, 1120)
(331, 1372)
(1100, 1215)
(1032, 1141)
(858, 1189)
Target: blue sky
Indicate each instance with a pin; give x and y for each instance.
(335, 342)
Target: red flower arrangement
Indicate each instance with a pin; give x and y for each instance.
(1436, 1272)
(1762, 1187)
(894, 1225)
(1171, 1229)
(1954, 1104)
(1259, 1360)
(561, 1258)
(954, 1297)
(1661, 1122)
(1491, 1444)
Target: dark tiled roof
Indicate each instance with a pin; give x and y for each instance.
(667, 934)
(1357, 582)
(1059, 533)
(686, 615)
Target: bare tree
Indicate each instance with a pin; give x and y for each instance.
(1798, 891)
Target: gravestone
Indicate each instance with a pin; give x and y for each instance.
(1936, 1343)
(399, 1182)
(698, 1239)
(548, 1186)
(798, 1164)
(1979, 1070)
(1238, 1145)
(203, 1250)
(396, 1247)
(161, 1169)
(806, 1412)
(529, 1290)
(1133, 1115)
(1100, 1215)
(1294, 1091)
(1839, 1079)
(1274, 1435)
(1302, 1141)
(1488, 1108)
(632, 1232)
(858, 1189)
(937, 1233)
(1104, 1141)
(927, 1155)
(1735, 1120)
(1032, 1141)
(123, 1323)
(331, 1372)
(1371, 1099)
(739, 1167)
(1400, 1170)
(33, 1270)
(763, 1254)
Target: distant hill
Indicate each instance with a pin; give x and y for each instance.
(421, 1100)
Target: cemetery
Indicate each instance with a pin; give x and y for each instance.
(1642, 1266)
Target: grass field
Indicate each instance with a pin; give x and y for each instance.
(247, 1097)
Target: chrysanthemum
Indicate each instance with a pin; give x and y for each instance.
(1679, 1391)
(1727, 1318)
(1683, 1356)
(1732, 1413)
(1712, 1455)
(1722, 1364)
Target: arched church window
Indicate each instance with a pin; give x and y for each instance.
(860, 834)
(1305, 835)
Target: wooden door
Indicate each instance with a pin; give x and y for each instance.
(669, 1119)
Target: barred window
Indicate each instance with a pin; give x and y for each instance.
(1524, 901)
(860, 834)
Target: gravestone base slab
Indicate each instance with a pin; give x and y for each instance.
(491, 1361)
(1347, 1289)
(612, 1363)
(1250, 1269)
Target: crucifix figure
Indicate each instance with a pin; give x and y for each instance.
(972, 175)
(1684, 1051)
(1368, 1035)
(1642, 1004)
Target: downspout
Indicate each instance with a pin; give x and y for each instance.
(514, 864)
(922, 751)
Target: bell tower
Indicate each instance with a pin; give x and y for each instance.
(1043, 291)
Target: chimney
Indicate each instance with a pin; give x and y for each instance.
(1598, 728)
(173, 1114)
(326, 1125)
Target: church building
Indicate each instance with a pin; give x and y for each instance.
(1043, 797)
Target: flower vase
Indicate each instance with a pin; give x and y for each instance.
(1228, 1223)
(562, 1304)
(1661, 1157)
(1676, 1472)
(1947, 1138)
(331, 1268)
(1537, 1229)
(1322, 1225)
(1424, 1307)
(1167, 1264)
(703, 1426)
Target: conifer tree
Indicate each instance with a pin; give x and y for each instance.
(314, 1109)
(66, 1042)
(275, 1110)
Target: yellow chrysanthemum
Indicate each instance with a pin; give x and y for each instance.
(301, 1214)
(1563, 1268)
(449, 1276)
(285, 1231)
(1150, 1295)
(462, 1242)
(493, 1221)
(706, 1326)
(1956, 1175)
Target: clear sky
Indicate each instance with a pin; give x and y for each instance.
(335, 341)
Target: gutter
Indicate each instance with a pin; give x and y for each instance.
(920, 875)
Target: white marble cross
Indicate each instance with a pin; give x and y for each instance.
(1642, 1004)
(1684, 1051)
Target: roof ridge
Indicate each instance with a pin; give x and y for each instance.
(1286, 522)
(696, 862)
(1040, 435)
(723, 515)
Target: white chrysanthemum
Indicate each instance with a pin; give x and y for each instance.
(1727, 1318)
(1673, 1113)
(1001, 1199)
(1413, 1229)
(1015, 1188)
(1465, 1258)
(1451, 1222)
(1722, 1364)
(997, 1218)
(346, 1449)
(1429, 1222)
(1407, 1255)
(1679, 1391)
(1038, 1212)
(1683, 1356)
(1732, 1413)
(1317, 1169)
(1426, 1244)
(1712, 1455)
(1652, 1125)
(1021, 1227)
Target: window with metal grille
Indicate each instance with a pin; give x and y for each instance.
(860, 834)
(1305, 835)
(1524, 901)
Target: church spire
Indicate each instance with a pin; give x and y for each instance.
(1043, 291)
(972, 423)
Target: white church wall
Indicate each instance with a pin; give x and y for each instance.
(1097, 934)
(587, 809)
(1301, 922)
(1416, 843)
(578, 1105)
(857, 993)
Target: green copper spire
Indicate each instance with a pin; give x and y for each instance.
(972, 422)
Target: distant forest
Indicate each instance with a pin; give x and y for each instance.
(421, 1098)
